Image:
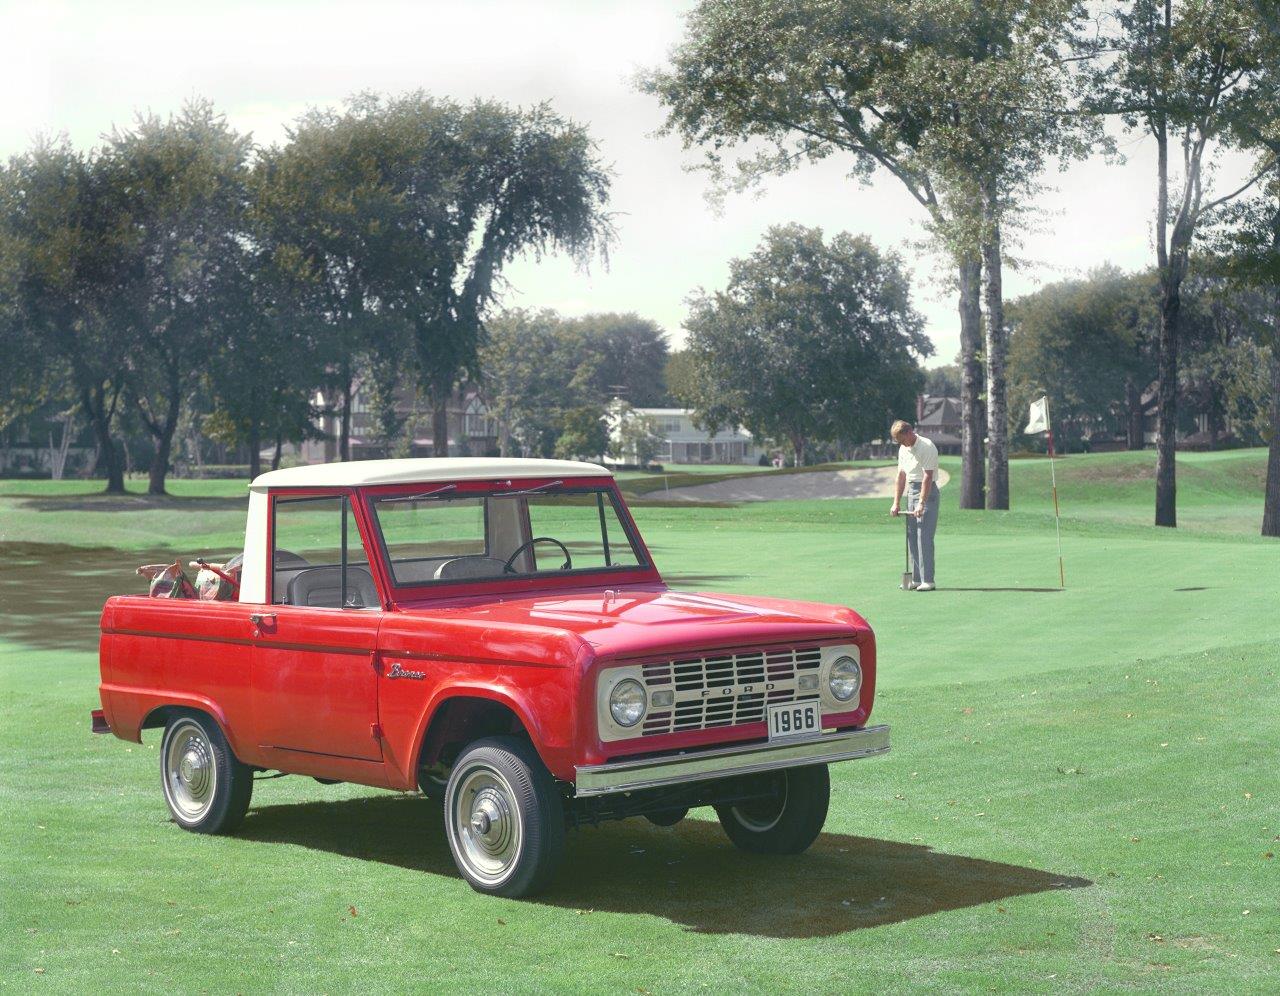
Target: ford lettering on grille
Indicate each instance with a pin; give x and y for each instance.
(727, 689)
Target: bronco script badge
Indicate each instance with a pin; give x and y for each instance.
(398, 672)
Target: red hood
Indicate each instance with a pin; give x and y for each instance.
(642, 619)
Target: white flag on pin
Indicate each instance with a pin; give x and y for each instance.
(1039, 419)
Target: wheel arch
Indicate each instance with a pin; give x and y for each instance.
(464, 714)
(158, 716)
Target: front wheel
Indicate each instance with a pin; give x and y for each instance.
(787, 820)
(504, 818)
(206, 786)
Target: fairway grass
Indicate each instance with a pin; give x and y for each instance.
(1082, 792)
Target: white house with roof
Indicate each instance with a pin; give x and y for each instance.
(683, 442)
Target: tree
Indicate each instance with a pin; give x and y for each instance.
(1253, 241)
(60, 254)
(1001, 88)
(178, 186)
(628, 356)
(405, 210)
(528, 376)
(678, 376)
(634, 437)
(1085, 343)
(584, 434)
(898, 86)
(809, 341)
(1184, 74)
(943, 381)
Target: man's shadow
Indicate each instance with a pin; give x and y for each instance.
(689, 874)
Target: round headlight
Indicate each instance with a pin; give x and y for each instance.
(844, 678)
(627, 702)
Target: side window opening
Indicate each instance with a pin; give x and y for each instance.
(318, 558)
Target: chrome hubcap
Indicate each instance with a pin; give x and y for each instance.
(761, 815)
(190, 773)
(487, 832)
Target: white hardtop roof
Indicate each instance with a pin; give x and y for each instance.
(354, 473)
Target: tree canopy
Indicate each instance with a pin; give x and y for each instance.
(810, 341)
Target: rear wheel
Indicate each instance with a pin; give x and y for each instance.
(207, 788)
(786, 821)
(504, 818)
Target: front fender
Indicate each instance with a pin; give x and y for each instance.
(545, 710)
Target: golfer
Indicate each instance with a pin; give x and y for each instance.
(918, 476)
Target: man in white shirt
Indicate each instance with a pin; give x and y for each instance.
(917, 475)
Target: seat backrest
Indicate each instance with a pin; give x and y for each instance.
(462, 568)
(322, 587)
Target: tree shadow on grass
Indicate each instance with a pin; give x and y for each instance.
(689, 874)
(133, 503)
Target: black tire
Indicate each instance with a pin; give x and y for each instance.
(787, 823)
(205, 785)
(667, 817)
(504, 818)
(433, 786)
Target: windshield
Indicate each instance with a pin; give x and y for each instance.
(438, 536)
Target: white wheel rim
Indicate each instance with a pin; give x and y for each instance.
(757, 822)
(486, 830)
(190, 771)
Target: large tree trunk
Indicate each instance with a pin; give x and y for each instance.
(344, 424)
(1167, 395)
(275, 457)
(1133, 408)
(972, 488)
(798, 444)
(164, 448)
(996, 347)
(255, 450)
(96, 409)
(439, 423)
(1271, 499)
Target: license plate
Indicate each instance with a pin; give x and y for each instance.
(788, 720)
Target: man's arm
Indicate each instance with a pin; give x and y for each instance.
(925, 488)
(899, 483)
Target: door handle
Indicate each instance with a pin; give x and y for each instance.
(258, 618)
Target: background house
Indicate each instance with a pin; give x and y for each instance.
(683, 442)
(472, 430)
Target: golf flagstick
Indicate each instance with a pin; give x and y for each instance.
(1039, 422)
(1053, 478)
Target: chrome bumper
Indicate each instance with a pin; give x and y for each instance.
(700, 765)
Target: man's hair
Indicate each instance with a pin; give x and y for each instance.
(898, 428)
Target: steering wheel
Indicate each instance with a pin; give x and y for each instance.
(568, 560)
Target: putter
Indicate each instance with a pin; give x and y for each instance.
(906, 562)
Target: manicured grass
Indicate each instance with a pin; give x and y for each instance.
(1081, 794)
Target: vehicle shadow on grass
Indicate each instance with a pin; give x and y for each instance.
(689, 874)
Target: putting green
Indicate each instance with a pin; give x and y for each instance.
(1081, 793)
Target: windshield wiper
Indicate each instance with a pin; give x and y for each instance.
(425, 494)
(527, 491)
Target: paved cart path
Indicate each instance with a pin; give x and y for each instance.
(855, 482)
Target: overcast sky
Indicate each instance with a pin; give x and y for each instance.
(79, 68)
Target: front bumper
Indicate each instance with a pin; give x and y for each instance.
(702, 765)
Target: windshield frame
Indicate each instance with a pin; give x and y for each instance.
(644, 571)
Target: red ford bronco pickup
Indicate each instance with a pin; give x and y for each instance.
(493, 633)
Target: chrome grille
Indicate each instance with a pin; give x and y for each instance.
(726, 689)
